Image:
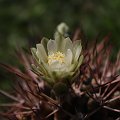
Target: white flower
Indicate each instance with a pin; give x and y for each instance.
(59, 59)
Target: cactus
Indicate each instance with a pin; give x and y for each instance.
(62, 81)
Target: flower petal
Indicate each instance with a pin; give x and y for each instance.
(51, 46)
(62, 28)
(59, 40)
(41, 53)
(76, 43)
(47, 69)
(56, 66)
(68, 44)
(77, 52)
(37, 70)
(60, 35)
(63, 44)
(68, 57)
(33, 51)
(79, 62)
(44, 42)
(71, 68)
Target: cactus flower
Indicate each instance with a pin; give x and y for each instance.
(57, 60)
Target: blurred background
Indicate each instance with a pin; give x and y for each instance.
(24, 22)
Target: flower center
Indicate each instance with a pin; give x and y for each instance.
(58, 56)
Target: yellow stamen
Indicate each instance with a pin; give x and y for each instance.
(58, 56)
